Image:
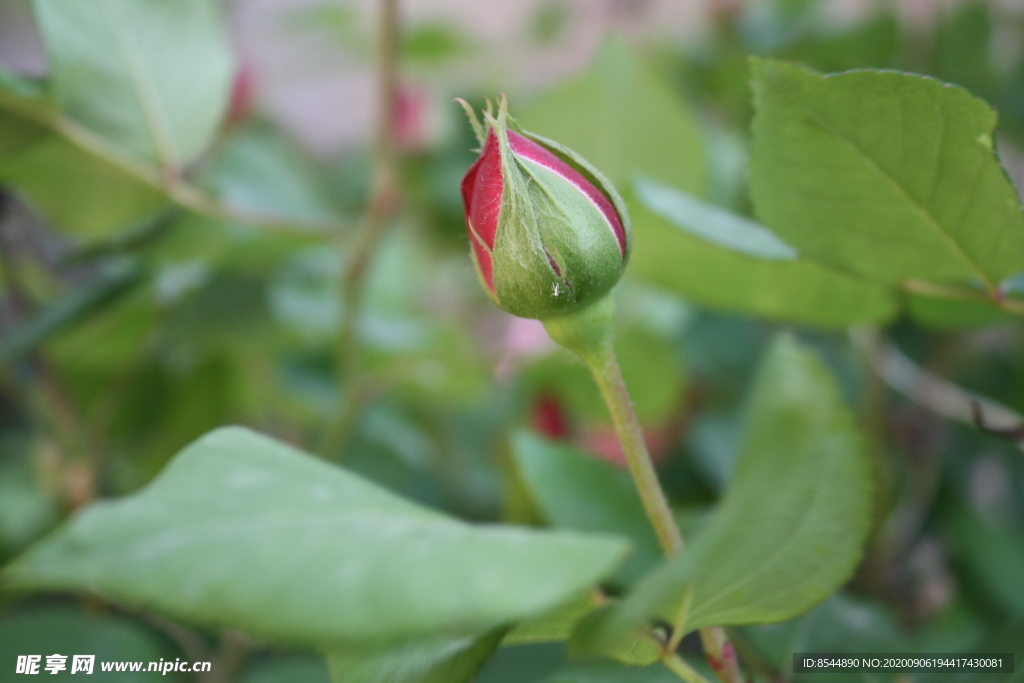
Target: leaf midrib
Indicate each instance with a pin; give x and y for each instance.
(950, 241)
(809, 511)
(148, 100)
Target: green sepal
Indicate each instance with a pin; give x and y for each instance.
(553, 252)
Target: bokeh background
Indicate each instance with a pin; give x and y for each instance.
(130, 324)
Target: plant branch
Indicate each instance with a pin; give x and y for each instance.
(382, 202)
(991, 297)
(935, 393)
(176, 188)
(680, 668)
(68, 469)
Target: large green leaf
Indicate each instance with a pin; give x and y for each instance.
(69, 631)
(994, 556)
(242, 531)
(440, 661)
(78, 191)
(667, 252)
(623, 117)
(791, 526)
(711, 223)
(255, 168)
(889, 175)
(574, 490)
(151, 76)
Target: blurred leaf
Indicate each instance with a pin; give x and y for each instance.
(25, 512)
(575, 490)
(433, 42)
(841, 624)
(78, 191)
(75, 307)
(446, 661)
(152, 77)
(17, 134)
(711, 224)
(258, 170)
(522, 664)
(604, 672)
(995, 558)
(962, 49)
(22, 86)
(769, 553)
(245, 532)
(69, 631)
(834, 46)
(73, 187)
(554, 626)
(634, 648)
(624, 118)
(889, 175)
(650, 365)
(951, 313)
(708, 274)
(290, 668)
(549, 21)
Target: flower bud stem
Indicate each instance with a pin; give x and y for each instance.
(588, 333)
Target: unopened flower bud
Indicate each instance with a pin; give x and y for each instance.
(548, 231)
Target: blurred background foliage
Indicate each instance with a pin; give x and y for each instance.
(152, 292)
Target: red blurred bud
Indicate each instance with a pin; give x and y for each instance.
(549, 418)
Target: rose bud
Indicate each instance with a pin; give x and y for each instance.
(549, 233)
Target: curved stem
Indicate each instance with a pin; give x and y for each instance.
(605, 368)
(684, 671)
(381, 205)
(588, 332)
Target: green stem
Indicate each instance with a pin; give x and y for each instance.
(177, 189)
(588, 332)
(605, 368)
(381, 205)
(988, 296)
(680, 668)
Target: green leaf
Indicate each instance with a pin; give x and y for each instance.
(242, 531)
(889, 175)
(799, 291)
(933, 311)
(994, 556)
(73, 308)
(68, 631)
(791, 527)
(637, 647)
(151, 76)
(257, 169)
(78, 191)
(444, 661)
(574, 490)
(554, 626)
(17, 135)
(624, 118)
(712, 224)
(604, 672)
(291, 668)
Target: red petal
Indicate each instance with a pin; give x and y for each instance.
(483, 262)
(481, 200)
(529, 149)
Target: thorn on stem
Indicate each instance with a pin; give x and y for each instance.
(978, 416)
